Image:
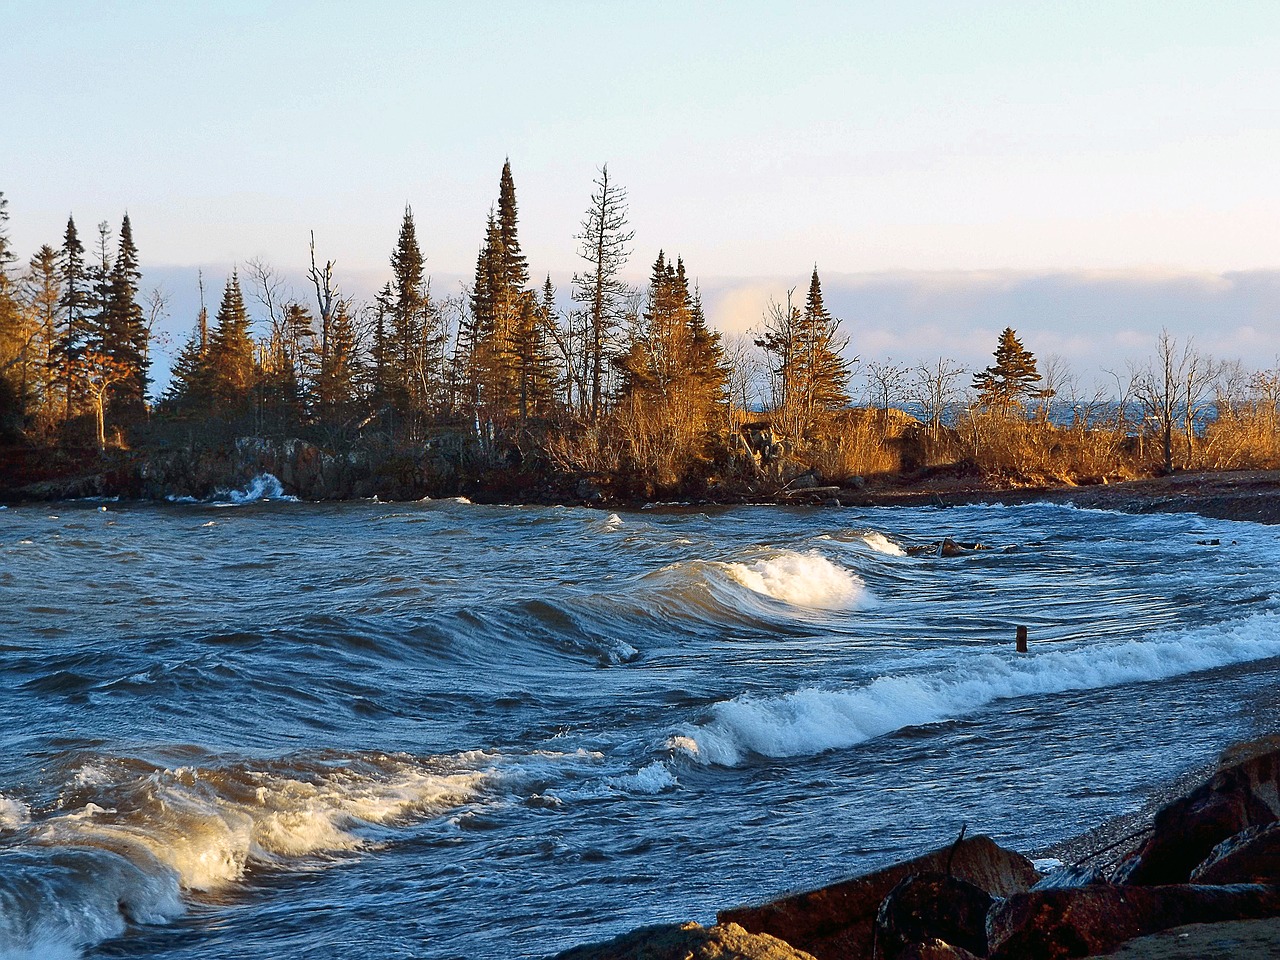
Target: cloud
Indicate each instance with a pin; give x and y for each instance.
(1094, 320)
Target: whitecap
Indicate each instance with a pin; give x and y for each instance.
(265, 486)
(815, 720)
(881, 544)
(801, 579)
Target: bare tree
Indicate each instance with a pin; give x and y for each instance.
(934, 386)
(604, 241)
(886, 386)
(1173, 390)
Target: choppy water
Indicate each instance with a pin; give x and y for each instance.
(446, 730)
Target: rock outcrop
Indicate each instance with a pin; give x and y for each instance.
(688, 941)
(975, 899)
(838, 922)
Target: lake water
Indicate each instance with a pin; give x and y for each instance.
(433, 730)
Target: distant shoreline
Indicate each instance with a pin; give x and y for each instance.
(1245, 495)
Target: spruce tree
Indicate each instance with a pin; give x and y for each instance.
(43, 292)
(1012, 379)
(230, 356)
(74, 306)
(825, 373)
(515, 268)
(125, 330)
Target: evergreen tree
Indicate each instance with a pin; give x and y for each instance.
(17, 360)
(409, 367)
(808, 373)
(230, 359)
(1013, 377)
(502, 326)
(43, 293)
(824, 373)
(515, 267)
(190, 383)
(125, 330)
(74, 307)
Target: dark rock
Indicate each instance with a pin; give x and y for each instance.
(1251, 856)
(936, 950)
(688, 941)
(1068, 878)
(929, 907)
(838, 922)
(1241, 795)
(1054, 924)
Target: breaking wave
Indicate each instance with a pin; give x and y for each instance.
(802, 580)
(815, 720)
(128, 839)
(265, 486)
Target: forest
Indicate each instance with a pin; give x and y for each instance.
(629, 391)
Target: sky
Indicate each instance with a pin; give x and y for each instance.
(1086, 172)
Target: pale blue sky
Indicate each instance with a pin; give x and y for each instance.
(754, 138)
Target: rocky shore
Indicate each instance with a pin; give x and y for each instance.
(312, 473)
(1200, 879)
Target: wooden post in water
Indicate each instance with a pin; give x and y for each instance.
(1022, 639)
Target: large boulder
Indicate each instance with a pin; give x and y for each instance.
(687, 941)
(838, 922)
(929, 910)
(1240, 795)
(1081, 922)
(1251, 856)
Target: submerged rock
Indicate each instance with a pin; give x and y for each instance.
(1081, 922)
(838, 922)
(687, 941)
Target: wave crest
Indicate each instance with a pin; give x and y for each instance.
(812, 721)
(802, 580)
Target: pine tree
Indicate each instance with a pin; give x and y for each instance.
(808, 373)
(825, 373)
(125, 330)
(230, 360)
(43, 292)
(515, 268)
(410, 367)
(74, 307)
(1013, 377)
(190, 382)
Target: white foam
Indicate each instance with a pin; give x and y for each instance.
(208, 826)
(13, 813)
(184, 499)
(652, 779)
(264, 486)
(882, 544)
(814, 720)
(801, 579)
(618, 651)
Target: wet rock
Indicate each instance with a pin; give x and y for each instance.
(1068, 878)
(1251, 856)
(1057, 924)
(838, 922)
(928, 908)
(688, 941)
(1241, 795)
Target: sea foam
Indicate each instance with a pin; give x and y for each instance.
(801, 579)
(815, 720)
(265, 486)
